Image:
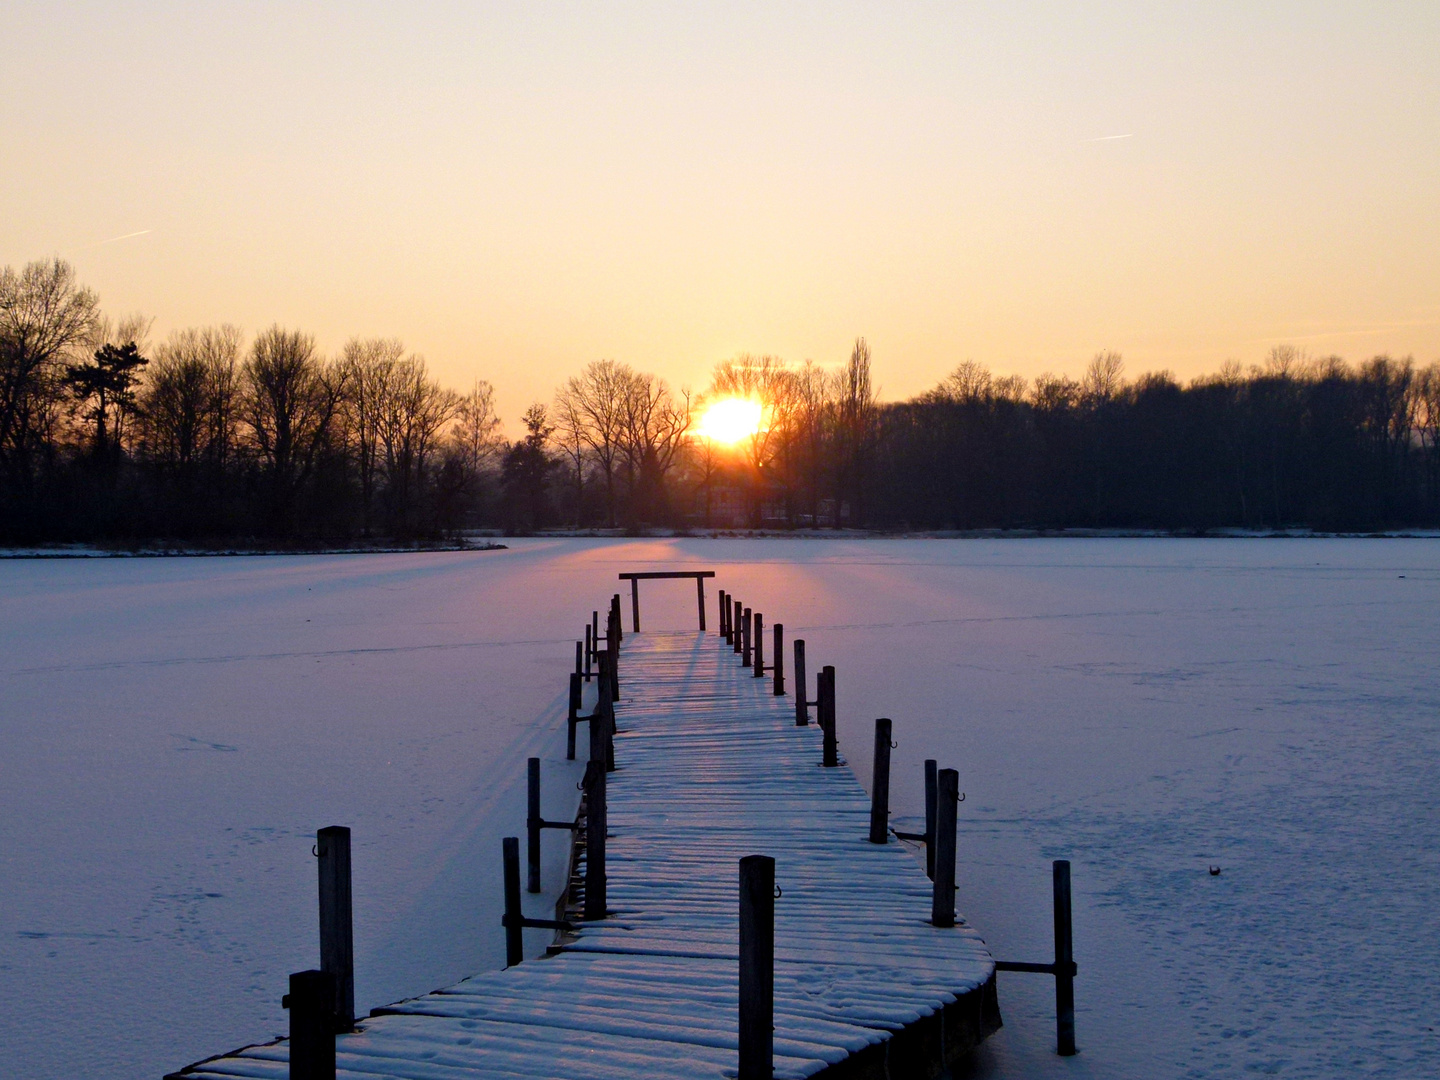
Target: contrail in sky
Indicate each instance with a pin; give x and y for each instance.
(1112, 138)
(127, 236)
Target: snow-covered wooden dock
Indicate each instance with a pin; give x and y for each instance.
(711, 767)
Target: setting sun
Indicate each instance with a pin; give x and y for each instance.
(730, 420)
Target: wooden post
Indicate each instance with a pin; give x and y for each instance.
(596, 819)
(947, 795)
(724, 616)
(700, 596)
(1064, 963)
(802, 707)
(759, 638)
(747, 619)
(757, 968)
(880, 785)
(635, 604)
(532, 825)
(573, 717)
(589, 651)
(825, 708)
(930, 796)
(779, 659)
(312, 1025)
(579, 657)
(595, 630)
(737, 613)
(514, 927)
(337, 948)
(615, 607)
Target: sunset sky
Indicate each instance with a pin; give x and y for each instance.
(517, 190)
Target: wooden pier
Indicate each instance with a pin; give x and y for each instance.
(711, 766)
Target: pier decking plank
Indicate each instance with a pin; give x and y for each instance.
(711, 767)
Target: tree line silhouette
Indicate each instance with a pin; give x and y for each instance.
(210, 439)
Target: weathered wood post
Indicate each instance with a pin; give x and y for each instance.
(596, 819)
(337, 948)
(635, 604)
(1064, 962)
(930, 796)
(737, 614)
(779, 664)
(532, 825)
(757, 967)
(589, 652)
(880, 785)
(595, 631)
(724, 616)
(312, 1025)
(759, 630)
(579, 658)
(802, 707)
(947, 795)
(700, 597)
(615, 607)
(514, 914)
(747, 620)
(825, 710)
(572, 717)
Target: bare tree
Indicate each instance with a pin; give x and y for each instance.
(369, 365)
(595, 404)
(290, 398)
(1103, 381)
(856, 424)
(414, 409)
(46, 319)
(652, 434)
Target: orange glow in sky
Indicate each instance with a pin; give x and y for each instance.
(730, 419)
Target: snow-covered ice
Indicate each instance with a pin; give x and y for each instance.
(173, 731)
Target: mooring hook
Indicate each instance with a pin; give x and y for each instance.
(777, 892)
(894, 746)
(314, 851)
(961, 798)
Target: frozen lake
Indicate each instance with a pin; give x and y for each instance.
(172, 732)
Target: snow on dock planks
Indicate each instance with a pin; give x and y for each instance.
(711, 767)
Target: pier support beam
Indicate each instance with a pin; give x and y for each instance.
(596, 820)
(779, 659)
(1064, 962)
(312, 1025)
(747, 620)
(759, 647)
(337, 948)
(757, 967)
(514, 914)
(737, 615)
(947, 797)
(724, 615)
(880, 785)
(802, 690)
(931, 793)
(825, 710)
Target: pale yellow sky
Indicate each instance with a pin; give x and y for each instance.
(515, 190)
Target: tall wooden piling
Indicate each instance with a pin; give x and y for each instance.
(825, 710)
(930, 796)
(312, 1025)
(572, 716)
(747, 620)
(337, 945)
(802, 690)
(589, 652)
(724, 615)
(1064, 962)
(947, 796)
(635, 605)
(880, 785)
(579, 658)
(514, 913)
(700, 598)
(779, 659)
(532, 825)
(758, 629)
(595, 631)
(615, 607)
(757, 968)
(737, 615)
(596, 821)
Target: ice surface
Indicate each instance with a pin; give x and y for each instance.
(172, 732)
